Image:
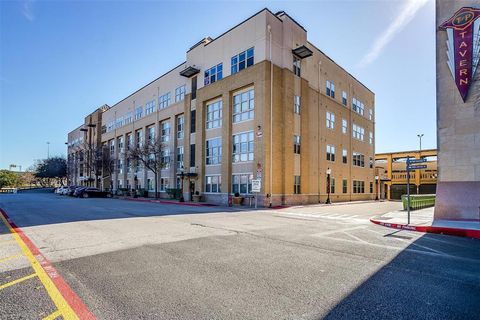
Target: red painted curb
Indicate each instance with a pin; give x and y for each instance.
(71, 297)
(469, 233)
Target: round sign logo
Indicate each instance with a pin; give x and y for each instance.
(462, 18)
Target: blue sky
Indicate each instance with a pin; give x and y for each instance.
(61, 60)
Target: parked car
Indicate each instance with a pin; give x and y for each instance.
(70, 190)
(92, 193)
(58, 190)
(77, 191)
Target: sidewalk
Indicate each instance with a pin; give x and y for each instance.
(422, 221)
(168, 201)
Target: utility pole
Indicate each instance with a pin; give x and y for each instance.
(420, 138)
(48, 150)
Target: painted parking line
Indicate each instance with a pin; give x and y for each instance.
(67, 302)
(15, 256)
(53, 315)
(14, 282)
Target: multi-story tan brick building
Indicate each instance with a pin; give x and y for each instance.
(257, 102)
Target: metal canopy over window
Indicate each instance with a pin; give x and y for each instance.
(302, 52)
(189, 72)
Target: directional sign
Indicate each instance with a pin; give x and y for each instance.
(256, 185)
(416, 160)
(423, 166)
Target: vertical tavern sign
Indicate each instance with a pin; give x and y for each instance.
(463, 46)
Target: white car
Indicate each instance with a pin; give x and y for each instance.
(60, 190)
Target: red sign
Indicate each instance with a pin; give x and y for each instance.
(463, 31)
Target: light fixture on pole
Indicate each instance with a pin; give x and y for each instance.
(420, 138)
(329, 172)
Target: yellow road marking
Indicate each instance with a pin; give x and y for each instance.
(10, 257)
(53, 315)
(50, 287)
(11, 283)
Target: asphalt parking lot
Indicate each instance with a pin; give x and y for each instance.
(131, 260)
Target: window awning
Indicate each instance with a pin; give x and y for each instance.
(302, 52)
(189, 72)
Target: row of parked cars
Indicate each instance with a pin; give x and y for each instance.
(82, 192)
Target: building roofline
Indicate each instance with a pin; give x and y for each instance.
(408, 151)
(145, 86)
(237, 25)
(286, 14)
(77, 128)
(328, 57)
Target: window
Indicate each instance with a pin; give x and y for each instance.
(150, 185)
(358, 186)
(180, 127)
(330, 153)
(138, 112)
(129, 165)
(179, 157)
(296, 144)
(120, 144)
(151, 134)
(330, 89)
(214, 115)
(213, 184)
(344, 155)
(128, 118)
(164, 101)
(243, 147)
(297, 66)
(332, 185)
(358, 132)
(243, 106)
(180, 93)
(358, 106)
(192, 155)
(344, 185)
(330, 120)
(296, 185)
(242, 60)
(358, 159)
(242, 183)
(165, 158)
(344, 126)
(129, 141)
(163, 184)
(213, 74)
(112, 148)
(370, 163)
(150, 107)
(119, 122)
(193, 120)
(165, 131)
(370, 137)
(371, 187)
(194, 87)
(120, 166)
(213, 154)
(370, 114)
(296, 104)
(344, 98)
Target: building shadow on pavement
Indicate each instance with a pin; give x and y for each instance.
(430, 279)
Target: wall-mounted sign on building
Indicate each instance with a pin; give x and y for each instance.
(463, 46)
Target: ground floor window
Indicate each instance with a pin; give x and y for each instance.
(358, 186)
(296, 185)
(163, 184)
(371, 187)
(344, 185)
(213, 183)
(150, 184)
(242, 183)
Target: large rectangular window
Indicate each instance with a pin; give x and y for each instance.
(296, 104)
(344, 155)
(330, 120)
(358, 106)
(344, 98)
(370, 137)
(214, 115)
(243, 147)
(242, 60)
(192, 155)
(180, 164)
(165, 157)
(164, 101)
(165, 131)
(297, 66)
(139, 138)
(344, 186)
(164, 184)
(180, 127)
(180, 93)
(193, 120)
(213, 152)
(138, 112)
(296, 185)
(150, 107)
(213, 74)
(296, 144)
(370, 114)
(243, 106)
(358, 186)
(213, 184)
(358, 159)
(330, 153)
(242, 183)
(344, 126)
(330, 89)
(151, 134)
(358, 132)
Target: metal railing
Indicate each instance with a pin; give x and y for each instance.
(418, 201)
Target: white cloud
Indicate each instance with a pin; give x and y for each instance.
(408, 12)
(27, 10)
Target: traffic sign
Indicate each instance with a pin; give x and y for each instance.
(416, 160)
(423, 166)
(256, 185)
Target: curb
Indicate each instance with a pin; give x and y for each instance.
(171, 202)
(469, 233)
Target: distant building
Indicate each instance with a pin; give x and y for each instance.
(257, 102)
(390, 168)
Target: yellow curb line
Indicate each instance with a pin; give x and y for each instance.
(11, 283)
(50, 287)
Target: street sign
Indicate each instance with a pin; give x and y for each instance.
(423, 166)
(416, 160)
(256, 185)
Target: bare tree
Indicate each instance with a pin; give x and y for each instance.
(154, 155)
(107, 164)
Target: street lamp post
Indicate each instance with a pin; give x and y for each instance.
(182, 176)
(329, 172)
(48, 150)
(420, 138)
(376, 187)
